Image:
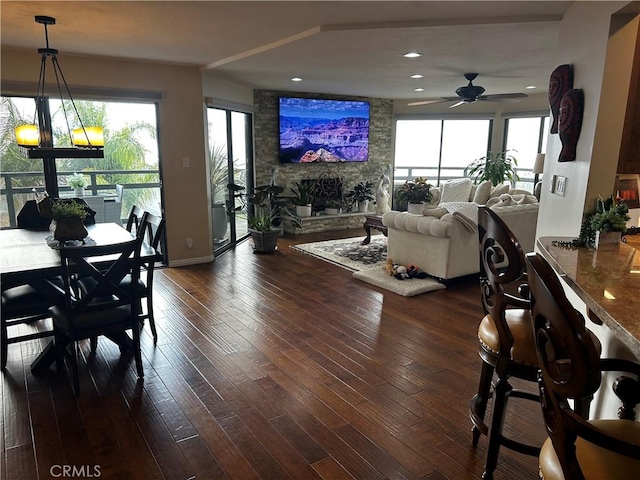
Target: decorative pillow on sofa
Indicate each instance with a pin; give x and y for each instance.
(483, 190)
(508, 199)
(456, 190)
(499, 190)
(433, 211)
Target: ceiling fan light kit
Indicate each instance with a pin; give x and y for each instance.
(471, 93)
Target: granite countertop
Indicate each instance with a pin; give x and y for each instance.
(606, 279)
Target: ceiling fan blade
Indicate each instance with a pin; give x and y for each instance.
(503, 97)
(433, 101)
(456, 104)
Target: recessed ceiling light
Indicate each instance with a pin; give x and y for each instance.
(417, 75)
(418, 89)
(296, 79)
(530, 87)
(412, 55)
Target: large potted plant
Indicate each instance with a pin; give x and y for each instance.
(267, 210)
(495, 167)
(302, 197)
(413, 194)
(218, 173)
(362, 194)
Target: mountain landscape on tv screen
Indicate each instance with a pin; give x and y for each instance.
(323, 140)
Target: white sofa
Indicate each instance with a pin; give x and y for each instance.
(443, 246)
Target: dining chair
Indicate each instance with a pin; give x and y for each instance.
(95, 303)
(134, 219)
(24, 304)
(150, 230)
(506, 344)
(571, 370)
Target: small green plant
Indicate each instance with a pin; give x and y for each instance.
(414, 191)
(77, 180)
(361, 192)
(332, 203)
(495, 167)
(610, 216)
(304, 193)
(67, 209)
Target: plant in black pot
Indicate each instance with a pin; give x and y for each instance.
(495, 167)
(68, 216)
(412, 193)
(362, 194)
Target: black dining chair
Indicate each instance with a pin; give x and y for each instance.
(150, 230)
(95, 303)
(134, 219)
(570, 371)
(24, 304)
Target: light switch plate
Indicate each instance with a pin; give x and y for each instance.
(561, 183)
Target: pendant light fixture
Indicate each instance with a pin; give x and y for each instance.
(37, 140)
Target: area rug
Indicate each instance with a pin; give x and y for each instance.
(407, 288)
(349, 253)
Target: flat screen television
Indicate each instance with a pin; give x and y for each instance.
(323, 131)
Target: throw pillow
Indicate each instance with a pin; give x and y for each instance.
(483, 191)
(431, 211)
(499, 190)
(456, 191)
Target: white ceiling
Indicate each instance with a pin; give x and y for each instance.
(349, 48)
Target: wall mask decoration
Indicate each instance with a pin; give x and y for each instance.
(560, 82)
(570, 123)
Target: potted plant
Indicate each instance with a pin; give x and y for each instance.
(609, 221)
(362, 194)
(303, 198)
(413, 194)
(78, 181)
(267, 210)
(68, 216)
(495, 167)
(218, 172)
(333, 207)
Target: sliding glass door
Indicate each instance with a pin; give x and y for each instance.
(230, 162)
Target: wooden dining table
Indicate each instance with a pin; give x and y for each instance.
(27, 257)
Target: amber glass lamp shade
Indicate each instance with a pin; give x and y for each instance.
(88, 137)
(27, 136)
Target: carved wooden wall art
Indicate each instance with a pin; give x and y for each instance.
(560, 82)
(570, 123)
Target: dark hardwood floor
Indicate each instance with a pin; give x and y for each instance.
(268, 366)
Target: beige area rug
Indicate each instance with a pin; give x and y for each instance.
(349, 253)
(367, 262)
(407, 288)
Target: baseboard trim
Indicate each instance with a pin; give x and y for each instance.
(191, 261)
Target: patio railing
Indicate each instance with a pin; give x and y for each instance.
(13, 194)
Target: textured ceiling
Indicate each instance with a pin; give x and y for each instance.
(349, 48)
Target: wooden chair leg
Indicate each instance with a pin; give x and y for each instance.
(136, 350)
(93, 344)
(479, 401)
(152, 322)
(74, 366)
(500, 398)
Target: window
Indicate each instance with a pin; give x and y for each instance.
(525, 137)
(131, 154)
(438, 149)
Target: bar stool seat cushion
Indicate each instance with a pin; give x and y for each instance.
(596, 462)
(519, 321)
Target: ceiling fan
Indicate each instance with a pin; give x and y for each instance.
(472, 93)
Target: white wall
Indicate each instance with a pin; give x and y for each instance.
(582, 42)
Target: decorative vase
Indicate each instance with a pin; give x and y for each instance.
(78, 191)
(219, 220)
(303, 211)
(363, 206)
(415, 208)
(607, 238)
(265, 242)
(71, 228)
